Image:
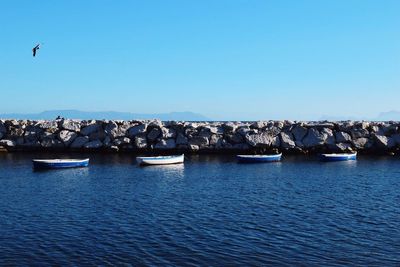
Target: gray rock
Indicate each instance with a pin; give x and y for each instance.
(243, 130)
(3, 129)
(214, 139)
(258, 125)
(67, 137)
(51, 143)
(287, 140)
(93, 144)
(140, 142)
(194, 147)
(272, 130)
(235, 138)
(299, 132)
(199, 141)
(342, 137)
(121, 141)
(329, 138)
(47, 124)
(168, 133)
(153, 134)
(359, 133)
(79, 142)
(276, 142)
(259, 140)
(138, 129)
(31, 137)
(181, 139)
(313, 138)
(99, 135)
(396, 138)
(90, 129)
(343, 147)
(299, 144)
(7, 143)
(215, 129)
(107, 142)
(155, 123)
(15, 132)
(361, 143)
(229, 126)
(384, 142)
(165, 144)
(71, 125)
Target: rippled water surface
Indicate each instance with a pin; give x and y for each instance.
(210, 211)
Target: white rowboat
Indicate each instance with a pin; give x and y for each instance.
(160, 160)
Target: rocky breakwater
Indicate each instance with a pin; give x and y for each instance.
(197, 137)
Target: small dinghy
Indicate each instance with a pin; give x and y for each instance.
(59, 163)
(160, 160)
(339, 156)
(258, 158)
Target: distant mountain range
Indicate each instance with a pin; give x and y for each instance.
(392, 115)
(107, 115)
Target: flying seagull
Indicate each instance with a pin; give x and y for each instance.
(35, 49)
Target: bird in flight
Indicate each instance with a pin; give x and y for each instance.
(35, 49)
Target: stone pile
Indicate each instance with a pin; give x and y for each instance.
(177, 136)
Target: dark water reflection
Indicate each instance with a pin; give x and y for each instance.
(210, 211)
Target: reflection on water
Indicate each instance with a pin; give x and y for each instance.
(208, 211)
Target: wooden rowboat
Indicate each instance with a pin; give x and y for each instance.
(59, 163)
(258, 158)
(160, 160)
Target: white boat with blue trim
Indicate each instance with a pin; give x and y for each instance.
(59, 163)
(258, 158)
(161, 160)
(339, 156)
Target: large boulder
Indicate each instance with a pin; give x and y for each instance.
(51, 143)
(235, 138)
(79, 142)
(359, 133)
(154, 134)
(71, 125)
(140, 142)
(165, 144)
(299, 132)
(92, 128)
(258, 124)
(121, 141)
(137, 129)
(287, 140)
(396, 138)
(313, 138)
(181, 139)
(259, 140)
(168, 133)
(47, 124)
(7, 143)
(200, 141)
(214, 139)
(342, 137)
(67, 137)
(384, 142)
(362, 143)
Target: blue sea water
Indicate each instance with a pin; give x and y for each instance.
(210, 211)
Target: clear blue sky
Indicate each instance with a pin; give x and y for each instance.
(226, 59)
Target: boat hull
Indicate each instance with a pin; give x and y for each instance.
(161, 160)
(338, 157)
(258, 158)
(59, 163)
